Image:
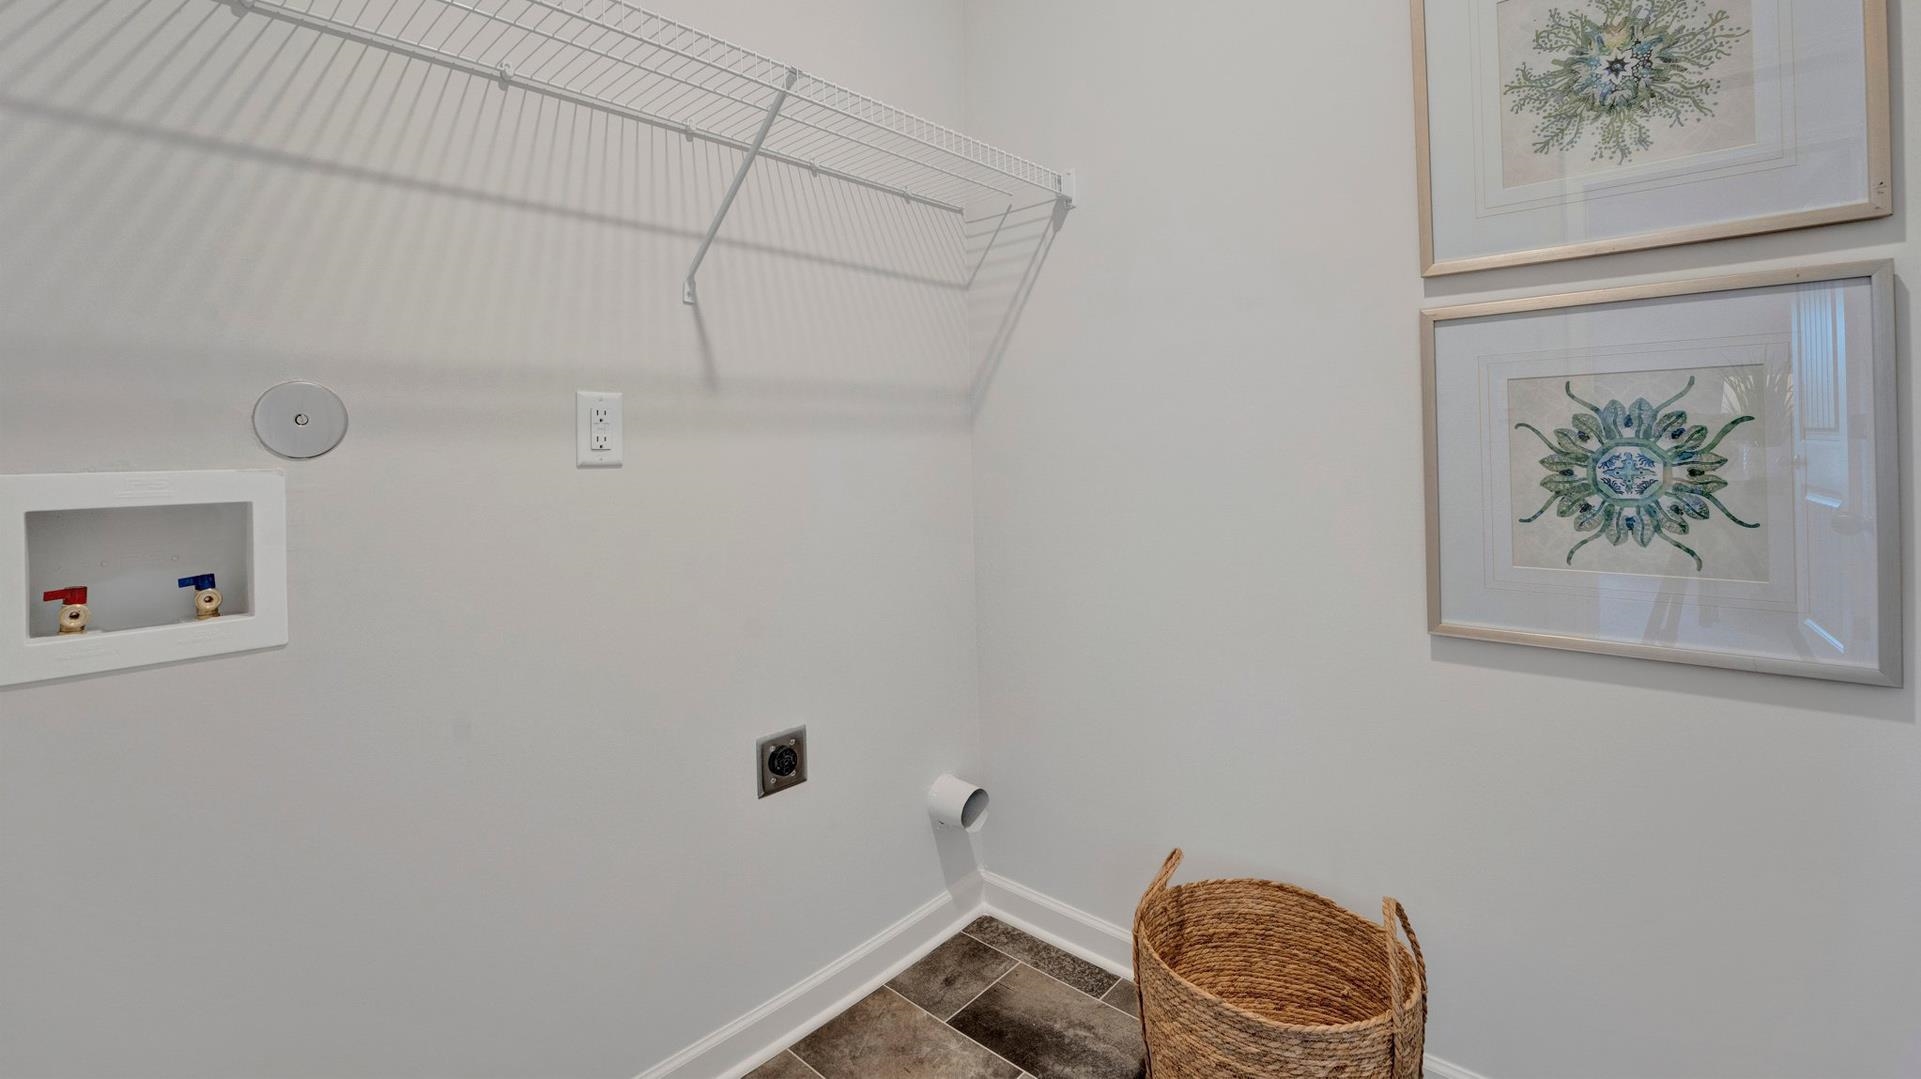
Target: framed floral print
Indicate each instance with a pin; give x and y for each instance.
(1553, 129)
(1698, 471)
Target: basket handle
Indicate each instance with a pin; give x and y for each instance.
(1392, 912)
(1160, 882)
(1140, 909)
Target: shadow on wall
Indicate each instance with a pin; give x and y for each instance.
(221, 193)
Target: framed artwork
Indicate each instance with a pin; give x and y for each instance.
(1699, 471)
(1553, 129)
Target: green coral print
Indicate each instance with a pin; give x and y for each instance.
(1618, 67)
(1638, 472)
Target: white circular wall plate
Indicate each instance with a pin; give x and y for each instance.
(300, 419)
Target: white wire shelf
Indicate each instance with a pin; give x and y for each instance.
(623, 59)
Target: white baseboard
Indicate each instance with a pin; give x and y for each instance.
(1070, 929)
(1436, 1068)
(740, 1046)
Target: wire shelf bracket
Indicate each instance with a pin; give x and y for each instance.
(687, 294)
(619, 58)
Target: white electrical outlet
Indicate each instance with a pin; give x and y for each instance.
(597, 439)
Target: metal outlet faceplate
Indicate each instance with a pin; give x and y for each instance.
(781, 761)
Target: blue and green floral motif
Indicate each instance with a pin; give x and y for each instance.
(1636, 471)
(1619, 66)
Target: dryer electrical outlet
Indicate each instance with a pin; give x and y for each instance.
(597, 430)
(781, 760)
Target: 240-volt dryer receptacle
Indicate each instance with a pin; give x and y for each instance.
(781, 760)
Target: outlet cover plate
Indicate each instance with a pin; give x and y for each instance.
(780, 760)
(598, 441)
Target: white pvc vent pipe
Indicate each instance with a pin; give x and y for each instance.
(956, 803)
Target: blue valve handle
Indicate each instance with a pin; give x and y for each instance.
(199, 583)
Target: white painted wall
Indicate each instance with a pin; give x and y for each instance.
(491, 812)
(1202, 589)
(456, 828)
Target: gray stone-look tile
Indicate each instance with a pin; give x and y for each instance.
(1125, 997)
(1053, 1031)
(784, 1066)
(951, 975)
(1041, 955)
(886, 1035)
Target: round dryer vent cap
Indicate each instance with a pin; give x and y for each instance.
(300, 419)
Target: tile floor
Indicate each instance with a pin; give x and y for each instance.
(991, 1003)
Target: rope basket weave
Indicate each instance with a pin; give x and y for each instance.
(1252, 979)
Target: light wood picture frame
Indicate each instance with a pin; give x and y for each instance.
(1811, 586)
(1463, 110)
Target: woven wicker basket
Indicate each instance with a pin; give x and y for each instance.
(1250, 979)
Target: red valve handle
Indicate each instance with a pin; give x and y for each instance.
(65, 595)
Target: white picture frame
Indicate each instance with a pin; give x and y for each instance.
(1775, 118)
(1768, 541)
